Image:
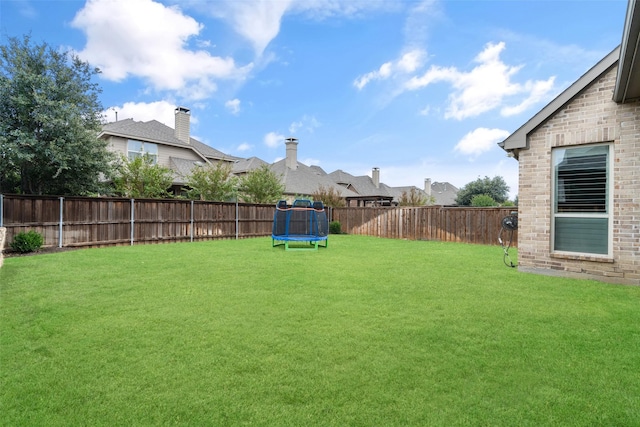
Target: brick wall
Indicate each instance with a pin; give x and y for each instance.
(591, 117)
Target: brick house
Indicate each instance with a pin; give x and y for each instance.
(172, 148)
(579, 173)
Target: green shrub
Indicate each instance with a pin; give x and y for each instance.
(30, 241)
(334, 227)
(482, 200)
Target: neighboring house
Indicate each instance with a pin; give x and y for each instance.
(579, 188)
(301, 180)
(399, 192)
(176, 149)
(372, 192)
(437, 193)
(358, 191)
(244, 166)
(172, 148)
(367, 191)
(443, 193)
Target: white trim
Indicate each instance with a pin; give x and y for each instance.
(608, 215)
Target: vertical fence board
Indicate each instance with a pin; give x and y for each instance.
(449, 224)
(107, 221)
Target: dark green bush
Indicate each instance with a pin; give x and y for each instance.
(334, 227)
(30, 241)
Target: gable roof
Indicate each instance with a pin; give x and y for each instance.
(397, 192)
(305, 180)
(627, 87)
(362, 185)
(242, 166)
(444, 193)
(182, 169)
(159, 133)
(518, 139)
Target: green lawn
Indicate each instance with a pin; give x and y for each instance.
(367, 332)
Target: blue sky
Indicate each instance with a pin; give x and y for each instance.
(420, 89)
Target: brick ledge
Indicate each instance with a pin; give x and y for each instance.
(591, 258)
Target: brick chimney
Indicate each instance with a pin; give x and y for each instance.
(292, 153)
(182, 129)
(427, 186)
(375, 175)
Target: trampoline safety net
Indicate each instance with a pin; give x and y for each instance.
(304, 221)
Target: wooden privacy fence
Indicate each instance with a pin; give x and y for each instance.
(105, 221)
(83, 221)
(448, 224)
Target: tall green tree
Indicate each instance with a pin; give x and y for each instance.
(141, 177)
(261, 185)
(212, 182)
(495, 187)
(50, 117)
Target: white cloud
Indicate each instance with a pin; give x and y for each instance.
(244, 147)
(538, 91)
(411, 61)
(418, 21)
(233, 106)
(155, 48)
(364, 80)
(162, 111)
(419, 16)
(306, 123)
(273, 139)
(486, 87)
(259, 21)
(425, 111)
(480, 140)
(407, 63)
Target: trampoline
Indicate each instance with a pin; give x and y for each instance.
(303, 225)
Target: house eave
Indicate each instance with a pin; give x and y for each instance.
(628, 79)
(518, 139)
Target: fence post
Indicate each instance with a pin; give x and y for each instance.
(192, 220)
(1, 212)
(132, 219)
(61, 222)
(237, 219)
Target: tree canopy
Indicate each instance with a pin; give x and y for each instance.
(261, 185)
(50, 117)
(329, 196)
(140, 177)
(414, 198)
(495, 187)
(212, 182)
(482, 200)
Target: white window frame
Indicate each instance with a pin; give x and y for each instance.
(148, 148)
(605, 215)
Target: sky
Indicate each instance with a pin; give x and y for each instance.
(418, 88)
